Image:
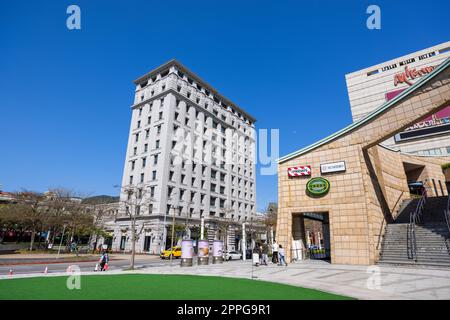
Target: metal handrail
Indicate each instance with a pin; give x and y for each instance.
(447, 213)
(415, 218)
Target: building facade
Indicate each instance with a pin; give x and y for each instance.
(371, 87)
(192, 153)
(353, 185)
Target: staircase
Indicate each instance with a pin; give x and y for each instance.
(432, 237)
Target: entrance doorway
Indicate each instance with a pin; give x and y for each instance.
(147, 243)
(311, 236)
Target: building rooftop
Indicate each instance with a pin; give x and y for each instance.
(197, 79)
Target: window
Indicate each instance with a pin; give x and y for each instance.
(150, 208)
(132, 164)
(157, 144)
(147, 133)
(160, 115)
(176, 115)
(138, 210)
(137, 137)
(158, 129)
(131, 179)
(152, 192)
(154, 175)
(155, 159)
(138, 124)
(149, 120)
(140, 112)
(182, 178)
(171, 175)
(135, 151)
(144, 162)
(142, 177)
(162, 102)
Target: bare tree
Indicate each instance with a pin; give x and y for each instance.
(224, 223)
(136, 200)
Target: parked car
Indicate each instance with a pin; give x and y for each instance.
(166, 253)
(232, 255)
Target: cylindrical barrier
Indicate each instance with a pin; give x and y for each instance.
(217, 251)
(203, 252)
(187, 252)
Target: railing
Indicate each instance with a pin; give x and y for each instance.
(414, 219)
(447, 213)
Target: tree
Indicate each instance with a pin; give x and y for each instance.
(135, 200)
(224, 223)
(29, 211)
(270, 219)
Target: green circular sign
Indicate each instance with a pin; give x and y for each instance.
(318, 186)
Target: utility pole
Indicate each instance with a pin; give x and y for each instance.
(244, 243)
(202, 228)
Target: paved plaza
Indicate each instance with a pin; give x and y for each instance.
(351, 280)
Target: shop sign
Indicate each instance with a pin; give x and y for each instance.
(411, 74)
(318, 186)
(299, 171)
(332, 167)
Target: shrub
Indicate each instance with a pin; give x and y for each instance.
(445, 166)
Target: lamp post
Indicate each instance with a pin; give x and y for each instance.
(60, 243)
(173, 233)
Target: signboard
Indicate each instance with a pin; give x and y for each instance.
(411, 74)
(437, 123)
(187, 250)
(332, 167)
(203, 248)
(299, 171)
(217, 248)
(318, 186)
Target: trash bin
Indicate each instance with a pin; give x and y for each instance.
(255, 258)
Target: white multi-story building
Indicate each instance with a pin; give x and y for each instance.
(192, 153)
(371, 87)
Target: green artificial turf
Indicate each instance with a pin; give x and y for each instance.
(155, 287)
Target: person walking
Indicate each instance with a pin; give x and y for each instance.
(274, 252)
(104, 261)
(265, 253)
(281, 256)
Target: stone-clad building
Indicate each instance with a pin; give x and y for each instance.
(193, 151)
(361, 184)
(372, 86)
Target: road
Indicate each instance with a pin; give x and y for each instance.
(117, 262)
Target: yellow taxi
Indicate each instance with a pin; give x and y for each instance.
(176, 253)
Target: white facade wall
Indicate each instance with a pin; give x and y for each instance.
(209, 172)
(368, 91)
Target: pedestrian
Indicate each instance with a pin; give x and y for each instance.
(281, 256)
(274, 252)
(265, 253)
(104, 261)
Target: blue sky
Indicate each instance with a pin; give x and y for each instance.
(65, 96)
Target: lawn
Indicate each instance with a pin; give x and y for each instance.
(155, 287)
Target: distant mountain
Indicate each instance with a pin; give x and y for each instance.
(100, 199)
